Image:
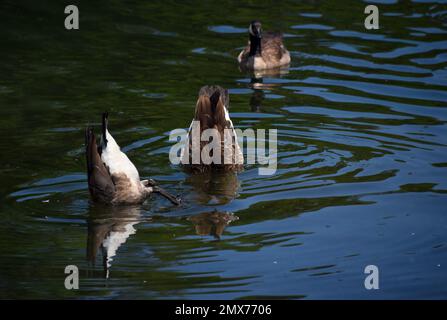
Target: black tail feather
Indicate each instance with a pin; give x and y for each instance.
(89, 135)
(214, 98)
(105, 122)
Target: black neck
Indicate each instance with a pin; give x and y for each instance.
(255, 45)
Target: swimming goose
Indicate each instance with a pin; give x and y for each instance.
(212, 113)
(265, 50)
(112, 177)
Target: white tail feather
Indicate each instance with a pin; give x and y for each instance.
(117, 161)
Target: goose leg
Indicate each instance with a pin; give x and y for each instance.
(175, 200)
(149, 182)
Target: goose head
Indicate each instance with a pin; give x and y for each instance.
(255, 34)
(255, 29)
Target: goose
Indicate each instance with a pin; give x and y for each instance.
(211, 112)
(265, 50)
(112, 177)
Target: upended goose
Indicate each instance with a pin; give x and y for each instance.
(265, 50)
(212, 113)
(112, 177)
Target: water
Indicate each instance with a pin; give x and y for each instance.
(362, 143)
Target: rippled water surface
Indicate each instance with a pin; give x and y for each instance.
(362, 138)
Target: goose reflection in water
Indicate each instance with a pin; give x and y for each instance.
(212, 223)
(214, 187)
(108, 229)
(259, 87)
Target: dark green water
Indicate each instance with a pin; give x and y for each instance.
(362, 174)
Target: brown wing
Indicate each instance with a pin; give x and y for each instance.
(246, 51)
(100, 183)
(272, 46)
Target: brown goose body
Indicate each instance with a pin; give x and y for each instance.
(112, 177)
(212, 113)
(265, 50)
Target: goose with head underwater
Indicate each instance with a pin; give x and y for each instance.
(265, 50)
(112, 177)
(211, 112)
